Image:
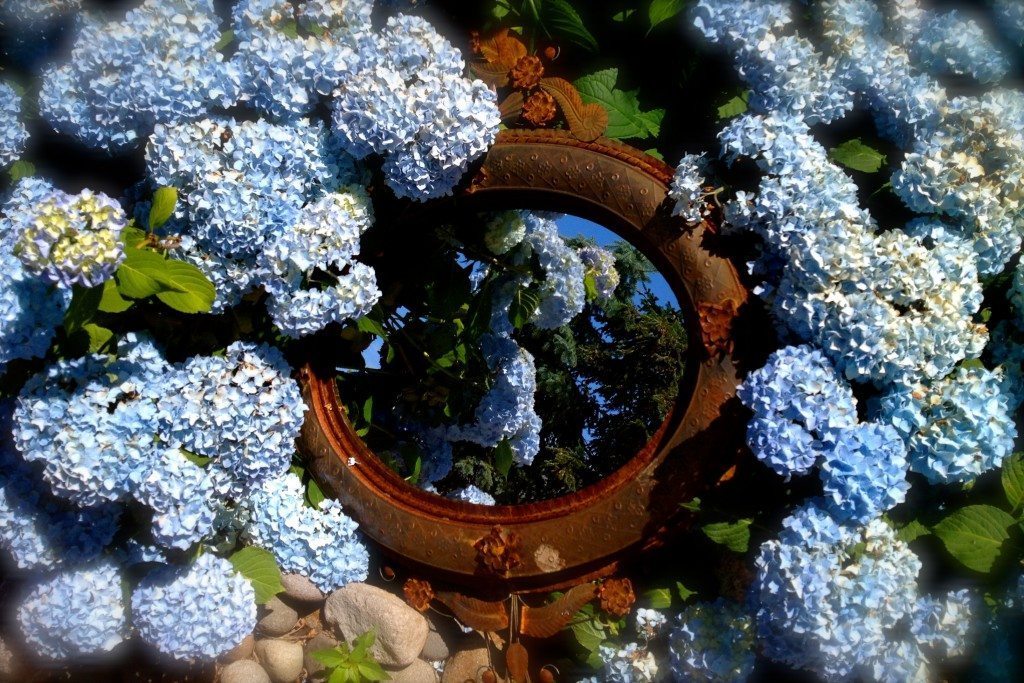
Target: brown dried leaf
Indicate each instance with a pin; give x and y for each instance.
(477, 614)
(494, 75)
(511, 108)
(517, 659)
(503, 49)
(586, 121)
(496, 640)
(546, 621)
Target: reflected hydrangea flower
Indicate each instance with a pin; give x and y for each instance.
(157, 65)
(194, 613)
(13, 135)
(75, 614)
(562, 293)
(599, 264)
(471, 494)
(504, 231)
(712, 642)
(320, 543)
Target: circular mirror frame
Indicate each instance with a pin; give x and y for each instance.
(586, 535)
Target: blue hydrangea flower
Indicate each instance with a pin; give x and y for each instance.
(75, 614)
(91, 422)
(325, 237)
(712, 642)
(289, 55)
(319, 543)
(181, 496)
(955, 428)
(649, 622)
(39, 531)
(65, 239)
(243, 410)
(243, 183)
(687, 189)
(472, 494)
(157, 65)
(562, 292)
(864, 472)
(632, 663)
(599, 264)
(798, 401)
(30, 311)
(945, 626)
(13, 134)
(948, 42)
(194, 613)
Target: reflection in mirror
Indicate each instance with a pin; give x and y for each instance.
(514, 357)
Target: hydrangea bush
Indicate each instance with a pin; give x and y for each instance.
(253, 175)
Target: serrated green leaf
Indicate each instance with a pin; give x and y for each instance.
(503, 457)
(589, 634)
(663, 10)
(111, 300)
(260, 567)
(1013, 480)
(625, 118)
(164, 201)
(330, 658)
(340, 675)
(99, 336)
(372, 671)
(684, 592)
(21, 169)
(133, 237)
(186, 288)
(735, 106)
(912, 531)
(559, 18)
(657, 598)
(858, 156)
(975, 534)
(733, 535)
(135, 274)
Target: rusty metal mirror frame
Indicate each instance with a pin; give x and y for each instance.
(587, 534)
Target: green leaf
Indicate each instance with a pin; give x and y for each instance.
(226, 38)
(733, 535)
(625, 118)
(111, 300)
(1013, 480)
(133, 237)
(259, 566)
(590, 285)
(21, 169)
(858, 156)
(290, 28)
(623, 15)
(371, 326)
(314, 494)
(974, 535)
(341, 675)
(590, 634)
(187, 289)
(524, 305)
(652, 152)
(368, 409)
(658, 598)
(135, 274)
(503, 457)
(164, 200)
(330, 658)
(372, 671)
(684, 592)
(912, 530)
(200, 460)
(663, 10)
(691, 505)
(84, 304)
(560, 18)
(735, 106)
(99, 336)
